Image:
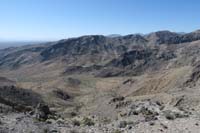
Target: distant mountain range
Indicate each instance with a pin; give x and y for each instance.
(97, 53)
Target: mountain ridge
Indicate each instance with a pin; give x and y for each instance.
(91, 49)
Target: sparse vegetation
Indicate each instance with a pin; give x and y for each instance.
(87, 121)
(76, 122)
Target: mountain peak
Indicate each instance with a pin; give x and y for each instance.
(196, 31)
(114, 35)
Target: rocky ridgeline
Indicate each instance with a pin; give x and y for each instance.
(97, 51)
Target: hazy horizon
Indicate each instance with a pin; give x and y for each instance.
(5, 43)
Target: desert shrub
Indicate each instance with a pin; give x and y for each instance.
(106, 121)
(76, 123)
(88, 122)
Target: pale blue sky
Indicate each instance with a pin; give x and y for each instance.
(57, 19)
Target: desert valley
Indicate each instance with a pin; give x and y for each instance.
(95, 84)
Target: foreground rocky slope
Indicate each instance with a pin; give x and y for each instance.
(133, 83)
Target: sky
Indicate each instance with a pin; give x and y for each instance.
(58, 19)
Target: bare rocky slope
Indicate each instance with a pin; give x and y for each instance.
(133, 83)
